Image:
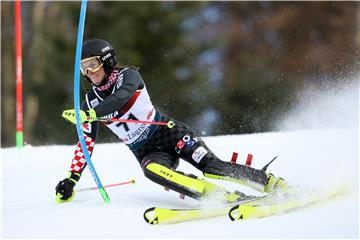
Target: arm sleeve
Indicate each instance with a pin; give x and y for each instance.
(132, 81)
(78, 162)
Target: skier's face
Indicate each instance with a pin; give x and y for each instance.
(97, 76)
(93, 69)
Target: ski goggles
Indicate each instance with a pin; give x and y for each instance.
(91, 64)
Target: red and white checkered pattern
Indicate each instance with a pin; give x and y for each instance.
(111, 80)
(79, 161)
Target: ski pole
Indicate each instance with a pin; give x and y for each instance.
(106, 186)
(169, 124)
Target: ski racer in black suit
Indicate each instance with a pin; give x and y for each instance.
(120, 93)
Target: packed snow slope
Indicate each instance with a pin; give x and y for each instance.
(323, 156)
(316, 158)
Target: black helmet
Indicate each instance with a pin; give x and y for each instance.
(101, 48)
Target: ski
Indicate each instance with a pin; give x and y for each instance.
(156, 215)
(247, 208)
(276, 205)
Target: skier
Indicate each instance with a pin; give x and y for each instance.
(119, 92)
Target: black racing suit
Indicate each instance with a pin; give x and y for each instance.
(125, 96)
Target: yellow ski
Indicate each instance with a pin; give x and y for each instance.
(265, 209)
(156, 215)
(255, 207)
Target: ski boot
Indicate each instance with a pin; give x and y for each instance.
(221, 194)
(274, 184)
(257, 179)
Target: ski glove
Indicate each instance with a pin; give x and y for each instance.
(85, 116)
(65, 188)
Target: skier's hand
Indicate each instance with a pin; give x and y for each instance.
(65, 188)
(85, 116)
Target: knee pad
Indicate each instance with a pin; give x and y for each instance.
(164, 159)
(189, 185)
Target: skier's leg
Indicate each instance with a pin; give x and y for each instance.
(251, 177)
(194, 150)
(259, 180)
(159, 167)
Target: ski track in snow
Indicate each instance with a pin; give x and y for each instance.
(316, 158)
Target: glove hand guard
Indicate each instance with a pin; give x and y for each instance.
(85, 116)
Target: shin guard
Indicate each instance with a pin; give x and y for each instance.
(188, 185)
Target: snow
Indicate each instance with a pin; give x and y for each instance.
(317, 143)
(316, 158)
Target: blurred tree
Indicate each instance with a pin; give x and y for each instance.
(50, 71)
(221, 67)
(269, 50)
(7, 74)
(145, 34)
(150, 35)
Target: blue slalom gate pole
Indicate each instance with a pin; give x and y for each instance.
(77, 102)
